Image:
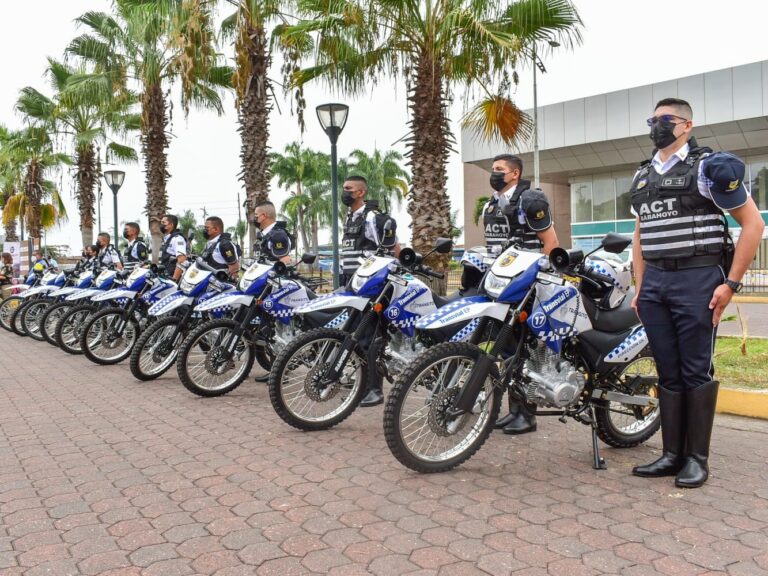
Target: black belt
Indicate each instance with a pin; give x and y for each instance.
(685, 263)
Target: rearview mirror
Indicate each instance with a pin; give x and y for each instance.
(615, 243)
(308, 258)
(443, 245)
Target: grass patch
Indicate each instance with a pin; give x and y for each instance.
(735, 370)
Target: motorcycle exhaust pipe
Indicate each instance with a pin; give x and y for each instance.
(465, 401)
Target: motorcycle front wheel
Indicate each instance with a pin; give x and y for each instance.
(103, 339)
(31, 315)
(418, 428)
(50, 320)
(296, 391)
(157, 349)
(205, 367)
(70, 328)
(15, 321)
(7, 307)
(622, 425)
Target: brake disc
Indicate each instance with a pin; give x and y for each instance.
(439, 422)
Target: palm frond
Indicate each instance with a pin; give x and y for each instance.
(498, 119)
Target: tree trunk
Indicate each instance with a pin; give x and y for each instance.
(34, 195)
(10, 226)
(315, 235)
(429, 144)
(154, 143)
(86, 181)
(301, 217)
(253, 111)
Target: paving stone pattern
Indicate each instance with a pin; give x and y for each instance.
(100, 474)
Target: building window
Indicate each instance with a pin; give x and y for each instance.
(623, 197)
(603, 199)
(758, 169)
(581, 201)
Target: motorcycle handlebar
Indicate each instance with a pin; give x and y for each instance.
(432, 273)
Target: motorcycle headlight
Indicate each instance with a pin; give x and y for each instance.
(245, 284)
(358, 282)
(494, 285)
(185, 286)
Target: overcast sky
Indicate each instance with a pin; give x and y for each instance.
(626, 43)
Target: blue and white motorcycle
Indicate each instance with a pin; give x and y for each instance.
(562, 349)
(70, 327)
(51, 280)
(158, 346)
(218, 355)
(109, 336)
(320, 377)
(58, 306)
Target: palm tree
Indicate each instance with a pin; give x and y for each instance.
(248, 26)
(387, 180)
(188, 227)
(295, 169)
(436, 46)
(9, 180)
(153, 43)
(85, 118)
(238, 231)
(31, 151)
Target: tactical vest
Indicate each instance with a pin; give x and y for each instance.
(128, 252)
(167, 261)
(105, 252)
(676, 221)
(209, 250)
(499, 229)
(354, 242)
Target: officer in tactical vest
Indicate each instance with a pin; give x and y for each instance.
(108, 255)
(220, 252)
(364, 229)
(136, 251)
(516, 213)
(273, 239)
(173, 250)
(686, 272)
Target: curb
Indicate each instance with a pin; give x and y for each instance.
(749, 403)
(750, 299)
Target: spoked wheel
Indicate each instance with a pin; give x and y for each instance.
(625, 426)
(418, 428)
(70, 328)
(7, 308)
(50, 320)
(108, 337)
(157, 349)
(16, 326)
(298, 394)
(31, 315)
(206, 367)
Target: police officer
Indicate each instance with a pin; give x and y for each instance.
(685, 276)
(220, 252)
(107, 255)
(518, 213)
(274, 241)
(364, 228)
(173, 251)
(136, 251)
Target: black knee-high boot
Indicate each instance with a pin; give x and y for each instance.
(700, 407)
(672, 408)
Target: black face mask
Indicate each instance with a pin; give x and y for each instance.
(346, 198)
(85, 255)
(125, 234)
(164, 229)
(497, 181)
(663, 134)
(257, 223)
(206, 234)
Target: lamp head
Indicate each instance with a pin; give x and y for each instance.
(114, 179)
(333, 118)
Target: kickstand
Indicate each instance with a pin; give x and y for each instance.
(598, 462)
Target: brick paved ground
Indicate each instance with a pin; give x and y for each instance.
(100, 474)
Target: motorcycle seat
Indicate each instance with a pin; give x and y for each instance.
(616, 320)
(441, 301)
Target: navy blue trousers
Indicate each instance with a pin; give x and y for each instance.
(674, 308)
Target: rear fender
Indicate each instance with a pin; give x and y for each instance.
(462, 311)
(334, 300)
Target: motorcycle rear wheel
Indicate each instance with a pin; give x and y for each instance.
(294, 391)
(417, 428)
(624, 426)
(146, 364)
(100, 342)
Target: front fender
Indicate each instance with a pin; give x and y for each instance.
(462, 311)
(226, 301)
(83, 294)
(64, 292)
(114, 294)
(37, 291)
(170, 303)
(334, 300)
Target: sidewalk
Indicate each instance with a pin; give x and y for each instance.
(103, 475)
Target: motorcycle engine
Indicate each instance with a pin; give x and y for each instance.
(550, 380)
(400, 352)
(284, 333)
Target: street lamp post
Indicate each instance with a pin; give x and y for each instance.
(332, 118)
(537, 63)
(114, 180)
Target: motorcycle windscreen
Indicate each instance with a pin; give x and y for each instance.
(558, 314)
